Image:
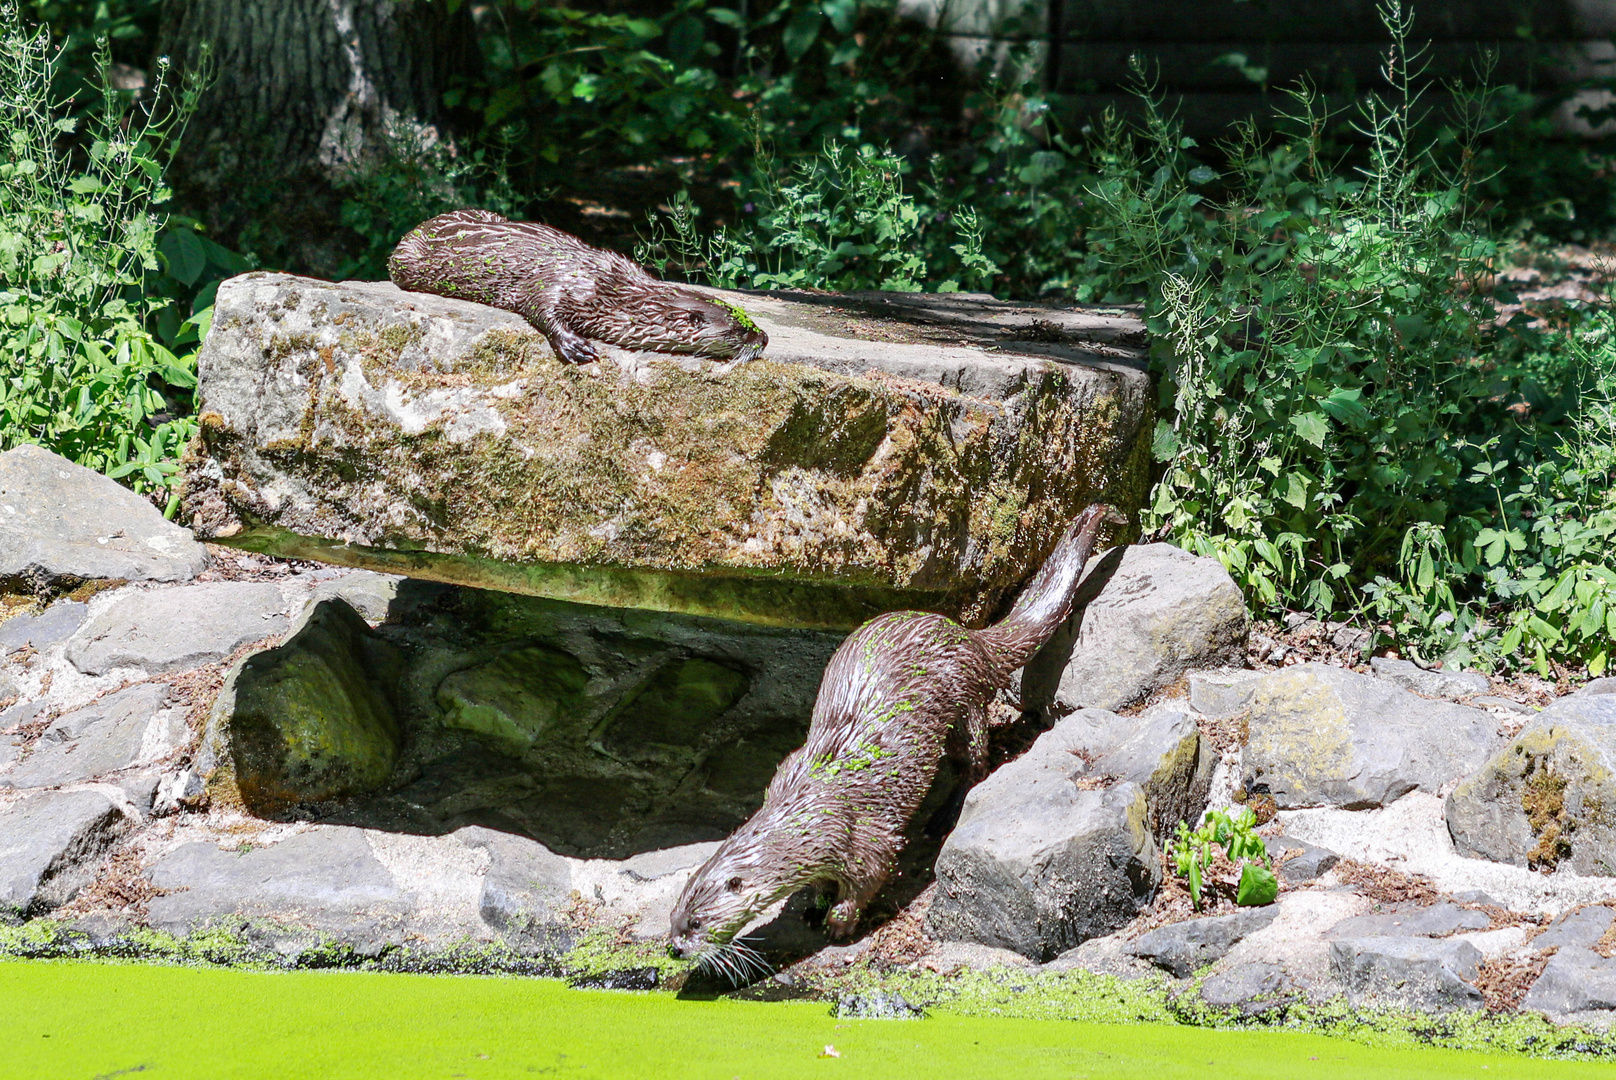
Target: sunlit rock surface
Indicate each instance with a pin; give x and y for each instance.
(890, 450)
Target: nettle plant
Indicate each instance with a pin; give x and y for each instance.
(1317, 334)
(839, 220)
(80, 372)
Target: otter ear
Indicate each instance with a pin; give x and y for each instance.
(734, 884)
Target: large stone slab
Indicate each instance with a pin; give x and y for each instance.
(1549, 797)
(887, 452)
(50, 844)
(1061, 845)
(62, 522)
(1323, 736)
(170, 629)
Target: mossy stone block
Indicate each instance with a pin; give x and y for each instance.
(1547, 799)
(314, 719)
(884, 454)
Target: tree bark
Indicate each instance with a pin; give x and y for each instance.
(304, 93)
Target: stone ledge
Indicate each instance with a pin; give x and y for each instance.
(886, 452)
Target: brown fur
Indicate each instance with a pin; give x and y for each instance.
(569, 291)
(902, 691)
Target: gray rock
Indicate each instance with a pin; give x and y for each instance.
(1596, 687)
(1582, 927)
(1476, 896)
(182, 790)
(1437, 920)
(173, 629)
(60, 521)
(1323, 736)
(1347, 637)
(56, 623)
(1309, 864)
(1163, 751)
(8, 687)
(371, 594)
(876, 1005)
(103, 737)
(1038, 864)
(652, 865)
(1045, 872)
(1452, 685)
(1180, 948)
(806, 515)
(526, 889)
(1575, 980)
(1223, 693)
(139, 786)
(1253, 989)
(1162, 612)
(326, 879)
(1416, 973)
(1544, 799)
(315, 719)
(50, 846)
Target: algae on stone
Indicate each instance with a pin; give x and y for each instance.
(314, 718)
(436, 438)
(1545, 800)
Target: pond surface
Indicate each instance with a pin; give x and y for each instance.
(89, 1020)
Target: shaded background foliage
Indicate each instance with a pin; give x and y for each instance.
(1346, 420)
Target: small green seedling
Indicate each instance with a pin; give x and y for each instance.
(1191, 852)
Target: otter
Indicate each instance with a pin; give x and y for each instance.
(569, 291)
(903, 690)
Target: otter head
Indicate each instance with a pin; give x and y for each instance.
(684, 321)
(730, 890)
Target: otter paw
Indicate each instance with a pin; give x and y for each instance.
(841, 920)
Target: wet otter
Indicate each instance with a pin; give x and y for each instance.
(568, 290)
(902, 691)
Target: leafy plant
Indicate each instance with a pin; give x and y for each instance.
(80, 372)
(1192, 852)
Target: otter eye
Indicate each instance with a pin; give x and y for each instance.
(734, 884)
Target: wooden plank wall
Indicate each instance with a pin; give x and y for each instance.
(1081, 47)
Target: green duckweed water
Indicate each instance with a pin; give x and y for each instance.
(89, 1020)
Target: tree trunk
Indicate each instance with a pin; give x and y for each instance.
(304, 93)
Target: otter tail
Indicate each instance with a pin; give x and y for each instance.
(1046, 602)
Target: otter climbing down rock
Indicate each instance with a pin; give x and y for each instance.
(905, 689)
(572, 293)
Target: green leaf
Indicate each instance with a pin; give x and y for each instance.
(185, 255)
(1295, 491)
(842, 13)
(1164, 442)
(1258, 886)
(801, 33)
(1311, 426)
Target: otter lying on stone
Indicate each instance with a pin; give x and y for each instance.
(902, 691)
(569, 291)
